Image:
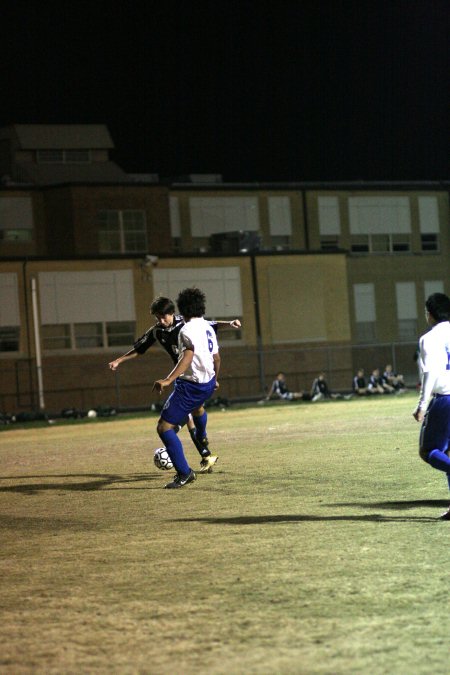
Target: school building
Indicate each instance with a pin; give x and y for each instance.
(323, 276)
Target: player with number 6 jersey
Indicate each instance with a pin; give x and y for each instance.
(195, 378)
(166, 332)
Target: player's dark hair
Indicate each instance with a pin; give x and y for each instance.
(162, 306)
(191, 303)
(438, 305)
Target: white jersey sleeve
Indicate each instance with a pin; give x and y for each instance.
(434, 360)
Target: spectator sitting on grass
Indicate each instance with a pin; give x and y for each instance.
(320, 390)
(280, 390)
(359, 383)
(376, 384)
(393, 379)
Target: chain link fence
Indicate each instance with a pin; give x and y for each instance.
(246, 374)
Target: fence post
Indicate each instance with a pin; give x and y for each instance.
(262, 376)
(117, 389)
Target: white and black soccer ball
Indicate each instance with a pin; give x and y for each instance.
(162, 460)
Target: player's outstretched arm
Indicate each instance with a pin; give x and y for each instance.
(116, 363)
(234, 324)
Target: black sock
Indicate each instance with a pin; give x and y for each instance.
(203, 452)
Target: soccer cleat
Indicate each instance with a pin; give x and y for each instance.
(181, 480)
(207, 463)
(446, 515)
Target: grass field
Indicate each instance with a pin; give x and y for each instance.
(313, 548)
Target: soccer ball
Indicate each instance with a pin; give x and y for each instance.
(162, 460)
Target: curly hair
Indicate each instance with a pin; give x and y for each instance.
(191, 303)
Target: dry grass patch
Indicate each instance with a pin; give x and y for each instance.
(313, 548)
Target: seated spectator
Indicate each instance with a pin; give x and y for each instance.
(320, 390)
(359, 383)
(280, 390)
(376, 386)
(393, 379)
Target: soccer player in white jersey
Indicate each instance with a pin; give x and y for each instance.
(165, 332)
(433, 408)
(195, 377)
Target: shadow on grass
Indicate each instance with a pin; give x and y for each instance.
(304, 518)
(400, 506)
(97, 482)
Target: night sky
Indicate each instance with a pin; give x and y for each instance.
(257, 91)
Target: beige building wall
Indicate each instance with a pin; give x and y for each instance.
(291, 317)
(303, 299)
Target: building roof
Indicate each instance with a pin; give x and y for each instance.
(60, 136)
(49, 174)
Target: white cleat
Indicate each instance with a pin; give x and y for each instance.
(207, 463)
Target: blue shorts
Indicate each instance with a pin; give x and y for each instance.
(185, 397)
(435, 431)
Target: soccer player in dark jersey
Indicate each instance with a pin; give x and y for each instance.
(166, 331)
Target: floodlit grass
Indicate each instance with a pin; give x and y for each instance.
(313, 548)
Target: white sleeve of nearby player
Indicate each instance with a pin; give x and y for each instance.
(426, 389)
(429, 369)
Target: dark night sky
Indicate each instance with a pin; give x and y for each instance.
(258, 91)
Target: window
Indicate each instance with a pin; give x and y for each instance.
(429, 223)
(56, 336)
(280, 243)
(212, 215)
(379, 215)
(280, 218)
(50, 156)
(63, 156)
(407, 330)
(16, 219)
(405, 292)
(399, 243)
(88, 335)
(365, 312)
(380, 224)
(175, 219)
(9, 313)
(87, 309)
(360, 243)
(122, 231)
(329, 222)
(93, 335)
(329, 243)
(366, 331)
(430, 287)
(120, 333)
(9, 338)
(16, 235)
(77, 156)
(429, 242)
(380, 243)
